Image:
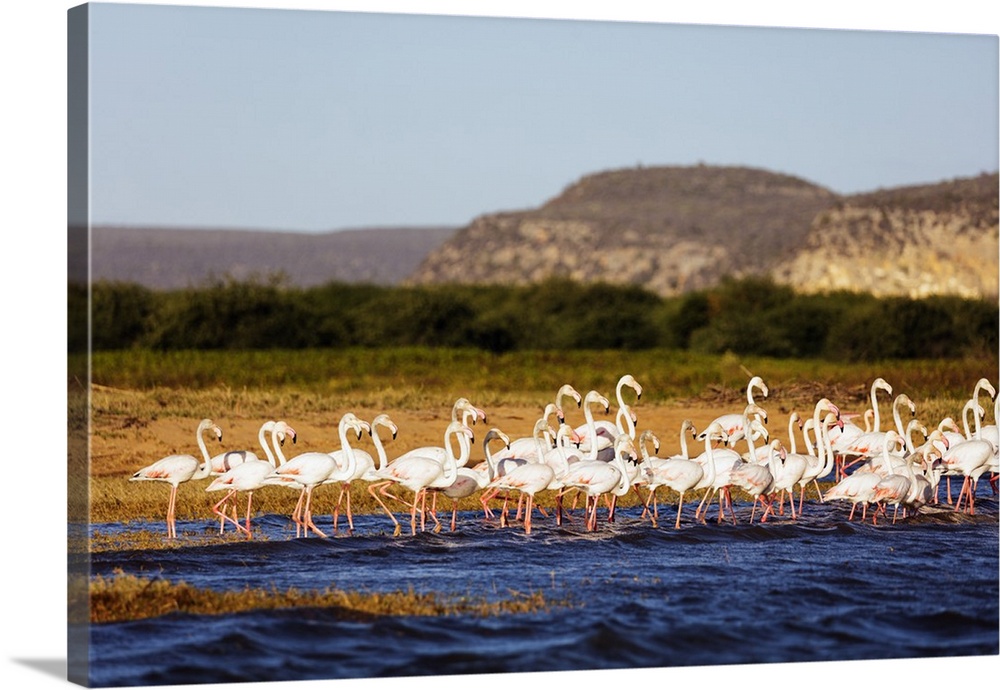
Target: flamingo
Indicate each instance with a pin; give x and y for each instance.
(364, 468)
(970, 458)
(727, 459)
(468, 480)
(823, 462)
(418, 473)
(590, 440)
(529, 478)
(893, 488)
(758, 480)
(560, 459)
(651, 462)
(732, 423)
(176, 469)
(309, 470)
(843, 446)
(247, 476)
(625, 419)
(813, 465)
(597, 478)
(859, 487)
(682, 474)
(869, 444)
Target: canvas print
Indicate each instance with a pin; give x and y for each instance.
(415, 345)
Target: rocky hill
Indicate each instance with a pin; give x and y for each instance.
(915, 241)
(674, 229)
(163, 258)
(670, 229)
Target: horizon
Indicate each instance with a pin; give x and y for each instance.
(234, 229)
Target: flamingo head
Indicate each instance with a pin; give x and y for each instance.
(687, 426)
(754, 409)
(495, 433)
(880, 383)
(385, 421)
(554, 409)
(282, 431)
(758, 383)
(987, 386)
(904, 399)
(568, 390)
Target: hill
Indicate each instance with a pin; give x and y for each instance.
(674, 229)
(671, 229)
(163, 258)
(915, 241)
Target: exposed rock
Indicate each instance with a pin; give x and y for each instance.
(675, 229)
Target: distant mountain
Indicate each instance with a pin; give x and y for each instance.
(163, 258)
(675, 229)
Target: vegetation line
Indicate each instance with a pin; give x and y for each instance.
(124, 597)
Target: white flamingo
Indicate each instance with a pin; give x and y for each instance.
(596, 478)
(529, 478)
(683, 474)
(859, 487)
(418, 473)
(758, 480)
(247, 476)
(469, 480)
(309, 470)
(177, 469)
(364, 468)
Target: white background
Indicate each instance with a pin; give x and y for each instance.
(32, 42)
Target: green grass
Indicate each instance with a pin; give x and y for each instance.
(398, 377)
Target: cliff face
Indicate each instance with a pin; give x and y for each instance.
(915, 241)
(675, 229)
(671, 229)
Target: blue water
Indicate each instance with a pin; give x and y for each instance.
(819, 588)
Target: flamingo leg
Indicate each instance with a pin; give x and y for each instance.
(350, 517)
(336, 509)
(171, 502)
(680, 502)
(527, 514)
(308, 515)
(249, 502)
(372, 489)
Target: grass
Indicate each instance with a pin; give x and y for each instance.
(128, 597)
(403, 377)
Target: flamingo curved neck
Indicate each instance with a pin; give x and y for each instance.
(684, 442)
(352, 462)
(262, 439)
(591, 429)
(383, 460)
(205, 468)
(791, 434)
(709, 478)
(277, 447)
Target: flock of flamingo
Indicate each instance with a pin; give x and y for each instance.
(872, 467)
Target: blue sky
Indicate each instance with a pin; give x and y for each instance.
(318, 120)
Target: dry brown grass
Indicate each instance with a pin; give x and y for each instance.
(127, 597)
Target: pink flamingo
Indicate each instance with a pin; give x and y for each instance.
(176, 469)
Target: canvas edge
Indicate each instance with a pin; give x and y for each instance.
(78, 345)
